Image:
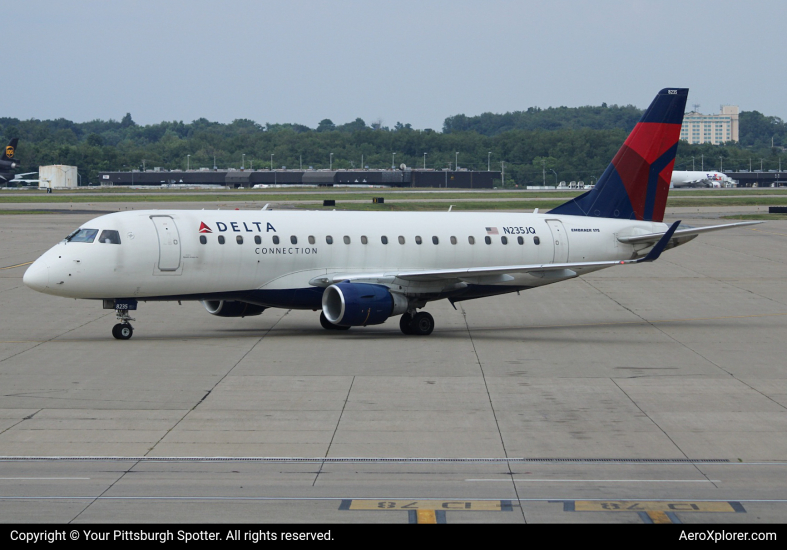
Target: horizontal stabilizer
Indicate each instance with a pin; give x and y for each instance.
(689, 232)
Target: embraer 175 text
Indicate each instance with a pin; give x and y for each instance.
(362, 268)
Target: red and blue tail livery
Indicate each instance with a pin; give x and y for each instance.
(636, 183)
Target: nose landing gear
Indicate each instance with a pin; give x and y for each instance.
(123, 330)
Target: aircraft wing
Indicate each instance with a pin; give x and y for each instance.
(494, 274)
(690, 232)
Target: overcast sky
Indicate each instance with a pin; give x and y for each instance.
(411, 61)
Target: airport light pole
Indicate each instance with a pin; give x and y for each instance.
(721, 164)
(555, 176)
(424, 161)
(488, 161)
(544, 171)
(456, 164)
(393, 161)
(330, 162)
(271, 162)
(188, 162)
(243, 161)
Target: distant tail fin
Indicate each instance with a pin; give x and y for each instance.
(10, 151)
(636, 183)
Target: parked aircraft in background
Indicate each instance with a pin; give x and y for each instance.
(8, 161)
(362, 268)
(683, 179)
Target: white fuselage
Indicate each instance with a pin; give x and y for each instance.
(160, 255)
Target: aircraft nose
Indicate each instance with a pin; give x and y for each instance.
(37, 276)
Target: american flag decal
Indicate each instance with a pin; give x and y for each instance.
(491, 231)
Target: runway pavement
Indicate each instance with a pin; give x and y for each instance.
(646, 393)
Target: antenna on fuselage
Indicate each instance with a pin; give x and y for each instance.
(266, 206)
(450, 207)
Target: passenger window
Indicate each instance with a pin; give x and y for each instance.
(109, 236)
(257, 239)
(239, 239)
(418, 239)
(203, 239)
(329, 239)
(504, 240)
(435, 240)
(488, 239)
(401, 239)
(364, 240)
(453, 240)
(471, 240)
(275, 239)
(311, 239)
(221, 239)
(536, 240)
(82, 236)
(346, 239)
(520, 239)
(293, 239)
(384, 239)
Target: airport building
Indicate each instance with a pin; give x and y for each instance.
(462, 179)
(759, 178)
(698, 128)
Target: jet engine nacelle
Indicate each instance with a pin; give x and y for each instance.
(361, 304)
(224, 308)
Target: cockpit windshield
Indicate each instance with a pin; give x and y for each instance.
(109, 236)
(82, 235)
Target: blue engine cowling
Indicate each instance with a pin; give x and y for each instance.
(360, 304)
(224, 308)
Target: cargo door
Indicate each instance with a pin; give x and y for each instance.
(168, 243)
(559, 241)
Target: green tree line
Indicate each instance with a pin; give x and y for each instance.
(537, 146)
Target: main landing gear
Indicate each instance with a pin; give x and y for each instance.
(123, 330)
(420, 324)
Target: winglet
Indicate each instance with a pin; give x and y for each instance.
(656, 251)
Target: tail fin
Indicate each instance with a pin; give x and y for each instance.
(636, 183)
(10, 150)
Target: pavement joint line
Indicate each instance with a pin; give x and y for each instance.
(378, 460)
(547, 500)
(492, 407)
(219, 381)
(606, 480)
(336, 429)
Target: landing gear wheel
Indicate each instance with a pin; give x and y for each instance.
(404, 323)
(327, 325)
(122, 331)
(422, 324)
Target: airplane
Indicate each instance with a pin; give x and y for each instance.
(683, 179)
(8, 162)
(363, 268)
